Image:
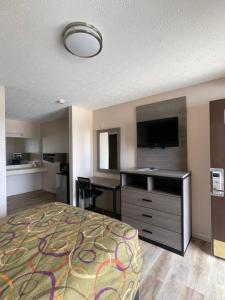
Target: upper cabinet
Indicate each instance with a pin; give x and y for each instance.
(32, 145)
(55, 136)
(24, 129)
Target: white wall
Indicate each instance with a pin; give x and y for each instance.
(80, 146)
(24, 183)
(3, 202)
(198, 98)
(55, 136)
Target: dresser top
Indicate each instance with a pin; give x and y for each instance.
(109, 183)
(157, 172)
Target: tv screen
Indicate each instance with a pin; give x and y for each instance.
(158, 133)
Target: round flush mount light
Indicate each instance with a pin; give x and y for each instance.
(61, 101)
(82, 39)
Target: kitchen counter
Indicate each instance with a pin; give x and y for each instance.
(20, 166)
(24, 169)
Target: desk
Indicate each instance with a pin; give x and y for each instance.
(107, 184)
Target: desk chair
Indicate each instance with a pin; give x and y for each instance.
(86, 191)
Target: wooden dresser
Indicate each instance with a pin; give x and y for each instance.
(158, 204)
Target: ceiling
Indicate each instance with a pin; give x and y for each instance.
(149, 46)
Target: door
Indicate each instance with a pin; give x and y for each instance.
(217, 152)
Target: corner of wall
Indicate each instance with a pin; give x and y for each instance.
(3, 200)
(80, 146)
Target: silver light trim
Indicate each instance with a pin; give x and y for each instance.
(77, 27)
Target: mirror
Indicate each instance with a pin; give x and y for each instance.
(22, 150)
(108, 150)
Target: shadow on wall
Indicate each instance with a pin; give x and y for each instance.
(199, 163)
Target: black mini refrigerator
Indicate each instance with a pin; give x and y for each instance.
(62, 185)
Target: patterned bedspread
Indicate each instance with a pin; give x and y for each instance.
(56, 251)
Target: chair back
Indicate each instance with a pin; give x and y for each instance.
(84, 186)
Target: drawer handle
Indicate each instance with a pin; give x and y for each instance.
(148, 216)
(148, 231)
(146, 200)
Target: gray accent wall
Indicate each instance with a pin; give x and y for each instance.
(171, 158)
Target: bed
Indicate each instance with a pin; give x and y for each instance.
(57, 251)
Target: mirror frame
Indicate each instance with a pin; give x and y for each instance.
(117, 130)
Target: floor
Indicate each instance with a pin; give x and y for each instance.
(165, 275)
(197, 275)
(24, 201)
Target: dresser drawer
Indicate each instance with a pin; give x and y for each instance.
(157, 234)
(153, 200)
(151, 216)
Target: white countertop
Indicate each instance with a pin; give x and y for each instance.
(158, 172)
(24, 169)
(21, 166)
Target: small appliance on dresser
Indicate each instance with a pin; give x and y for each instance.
(62, 184)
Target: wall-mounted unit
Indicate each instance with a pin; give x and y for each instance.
(162, 135)
(22, 129)
(158, 133)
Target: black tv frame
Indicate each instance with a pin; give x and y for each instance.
(174, 143)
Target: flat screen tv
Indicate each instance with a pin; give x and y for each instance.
(158, 133)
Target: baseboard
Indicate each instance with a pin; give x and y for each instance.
(201, 237)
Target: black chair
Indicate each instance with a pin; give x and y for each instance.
(86, 191)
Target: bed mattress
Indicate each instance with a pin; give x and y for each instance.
(57, 251)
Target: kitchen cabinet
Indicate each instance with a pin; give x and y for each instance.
(23, 129)
(55, 136)
(32, 146)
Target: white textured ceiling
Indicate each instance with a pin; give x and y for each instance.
(150, 46)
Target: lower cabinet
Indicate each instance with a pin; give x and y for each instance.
(151, 216)
(158, 234)
(162, 215)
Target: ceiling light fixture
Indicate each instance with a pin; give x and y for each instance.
(61, 101)
(82, 39)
